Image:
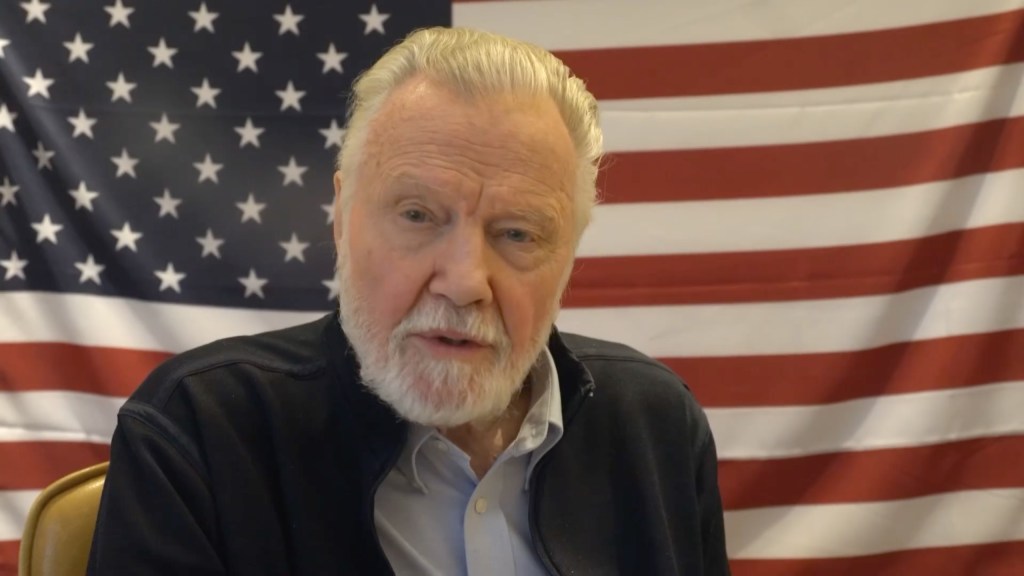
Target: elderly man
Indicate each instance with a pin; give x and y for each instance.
(438, 423)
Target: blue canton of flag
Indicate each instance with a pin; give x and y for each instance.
(180, 151)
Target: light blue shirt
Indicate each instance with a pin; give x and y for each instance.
(435, 518)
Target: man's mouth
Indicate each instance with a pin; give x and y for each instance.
(451, 338)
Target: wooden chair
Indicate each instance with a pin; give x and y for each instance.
(58, 532)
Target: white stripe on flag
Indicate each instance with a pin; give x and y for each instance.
(556, 25)
(134, 324)
(812, 221)
(743, 329)
(896, 421)
(807, 326)
(863, 528)
(14, 507)
(57, 416)
(820, 115)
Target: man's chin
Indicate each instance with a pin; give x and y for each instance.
(447, 405)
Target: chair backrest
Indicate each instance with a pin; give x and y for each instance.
(58, 532)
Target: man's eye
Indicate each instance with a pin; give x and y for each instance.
(415, 215)
(517, 235)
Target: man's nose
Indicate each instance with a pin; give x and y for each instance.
(462, 269)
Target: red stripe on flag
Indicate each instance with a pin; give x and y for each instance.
(809, 379)
(998, 559)
(36, 465)
(92, 369)
(814, 168)
(9, 557)
(873, 475)
(799, 379)
(800, 274)
(800, 63)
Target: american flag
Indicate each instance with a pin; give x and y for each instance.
(813, 210)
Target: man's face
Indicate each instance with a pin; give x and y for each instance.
(455, 249)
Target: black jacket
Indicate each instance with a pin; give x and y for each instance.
(260, 455)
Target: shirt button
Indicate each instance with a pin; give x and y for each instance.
(441, 445)
(480, 506)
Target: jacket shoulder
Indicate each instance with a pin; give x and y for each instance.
(294, 352)
(607, 354)
(629, 382)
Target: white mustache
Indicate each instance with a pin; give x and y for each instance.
(436, 315)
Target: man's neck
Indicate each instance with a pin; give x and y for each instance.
(484, 442)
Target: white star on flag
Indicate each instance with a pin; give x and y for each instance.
(126, 237)
(83, 196)
(119, 14)
(329, 209)
(210, 243)
(206, 94)
(289, 21)
(46, 229)
(374, 20)
(168, 204)
(43, 156)
(35, 10)
(251, 209)
(333, 134)
(332, 287)
(293, 248)
(204, 18)
(38, 84)
(125, 164)
(7, 118)
(7, 192)
(164, 129)
(292, 172)
(332, 59)
(170, 278)
(3, 42)
(162, 54)
(121, 88)
(90, 270)
(290, 97)
(78, 49)
(82, 123)
(14, 266)
(250, 134)
(208, 169)
(253, 284)
(247, 58)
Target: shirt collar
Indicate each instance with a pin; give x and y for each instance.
(545, 414)
(541, 429)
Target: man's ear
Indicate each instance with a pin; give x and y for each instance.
(337, 205)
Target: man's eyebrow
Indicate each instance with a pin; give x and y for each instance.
(538, 215)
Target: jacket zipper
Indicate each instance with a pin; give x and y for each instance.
(538, 546)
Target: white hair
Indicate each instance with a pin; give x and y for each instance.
(478, 64)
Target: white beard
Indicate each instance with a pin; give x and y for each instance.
(427, 390)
